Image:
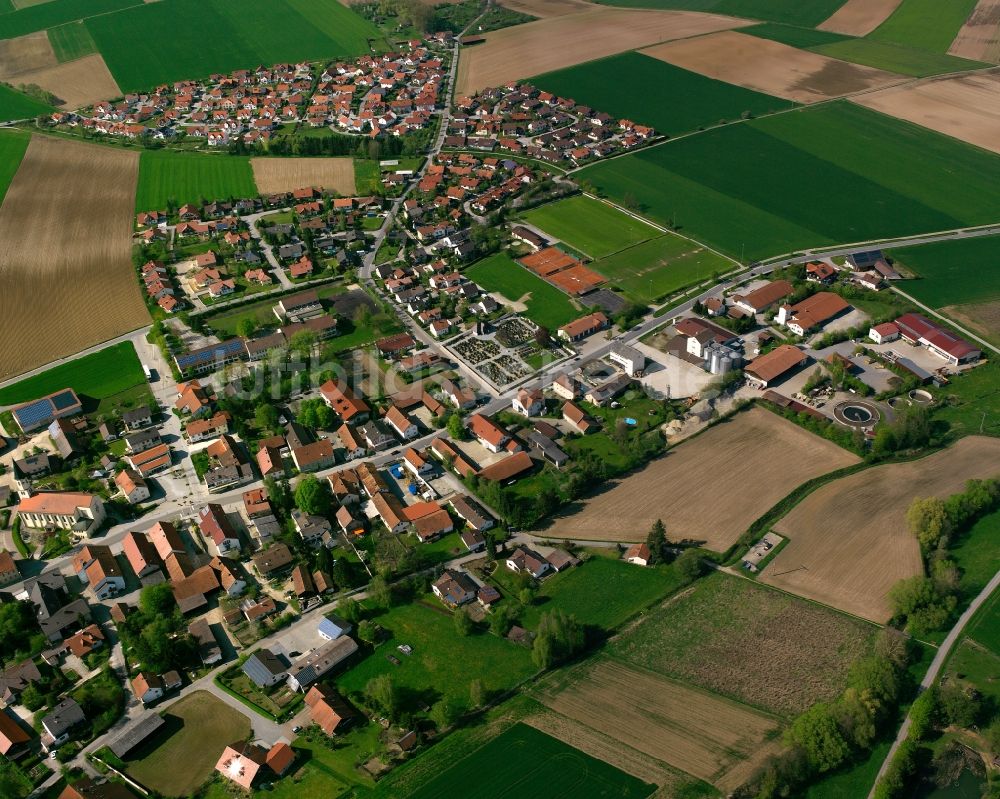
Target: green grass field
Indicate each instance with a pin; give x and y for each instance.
(925, 24)
(671, 99)
(794, 36)
(977, 553)
(794, 12)
(71, 41)
(13, 143)
(594, 228)
(198, 728)
(870, 176)
(546, 305)
(660, 266)
(100, 375)
(191, 178)
(985, 628)
(222, 35)
(56, 12)
(953, 272)
(443, 663)
(523, 763)
(17, 105)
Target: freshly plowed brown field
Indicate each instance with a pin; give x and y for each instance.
(543, 9)
(859, 17)
(273, 175)
(964, 106)
(982, 317)
(84, 81)
(771, 67)
(24, 54)
(65, 244)
(979, 37)
(691, 730)
(848, 541)
(563, 41)
(711, 488)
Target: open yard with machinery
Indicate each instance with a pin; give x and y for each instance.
(524, 763)
(741, 185)
(713, 495)
(590, 226)
(743, 640)
(190, 178)
(564, 41)
(65, 249)
(848, 540)
(770, 67)
(274, 175)
(952, 272)
(691, 730)
(196, 730)
(544, 304)
(226, 35)
(671, 99)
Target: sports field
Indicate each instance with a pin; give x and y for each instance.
(222, 35)
(590, 226)
(542, 303)
(183, 178)
(794, 12)
(13, 143)
(71, 41)
(197, 729)
(925, 24)
(658, 267)
(952, 272)
(15, 105)
(762, 647)
(653, 92)
(870, 176)
(524, 763)
(56, 12)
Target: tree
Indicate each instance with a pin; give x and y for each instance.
(157, 600)
(502, 619)
(526, 596)
(444, 713)
(350, 610)
(689, 565)
(380, 591)
(455, 427)
(381, 692)
(959, 706)
(265, 417)
(657, 542)
(542, 336)
(928, 520)
(463, 623)
(477, 694)
(246, 327)
(18, 627)
(368, 631)
(558, 638)
(312, 496)
(817, 734)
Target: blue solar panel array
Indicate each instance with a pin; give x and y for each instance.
(34, 414)
(64, 399)
(227, 349)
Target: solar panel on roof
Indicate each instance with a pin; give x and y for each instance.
(33, 413)
(64, 399)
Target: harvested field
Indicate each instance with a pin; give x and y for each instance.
(771, 67)
(76, 83)
(761, 647)
(65, 250)
(273, 175)
(25, 53)
(543, 9)
(859, 17)
(563, 41)
(979, 37)
(982, 317)
(689, 729)
(848, 540)
(775, 456)
(963, 107)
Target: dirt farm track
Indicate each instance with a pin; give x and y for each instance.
(848, 540)
(710, 488)
(66, 275)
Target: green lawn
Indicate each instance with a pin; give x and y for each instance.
(896, 58)
(17, 105)
(925, 24)
(198, 728)
(100, 375)
(660, 266)
(971, 402)
(807, 13)
(191, 178)
(443, 663)
(978, 666)
(594, 228)
(546, 305)
(222, 35)
(870, 176)
(977, 553)
(523, 763)
(953, 272)
(985, 627)
(71, 41)
(652, 92)
(13, 143)
(56, 12)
